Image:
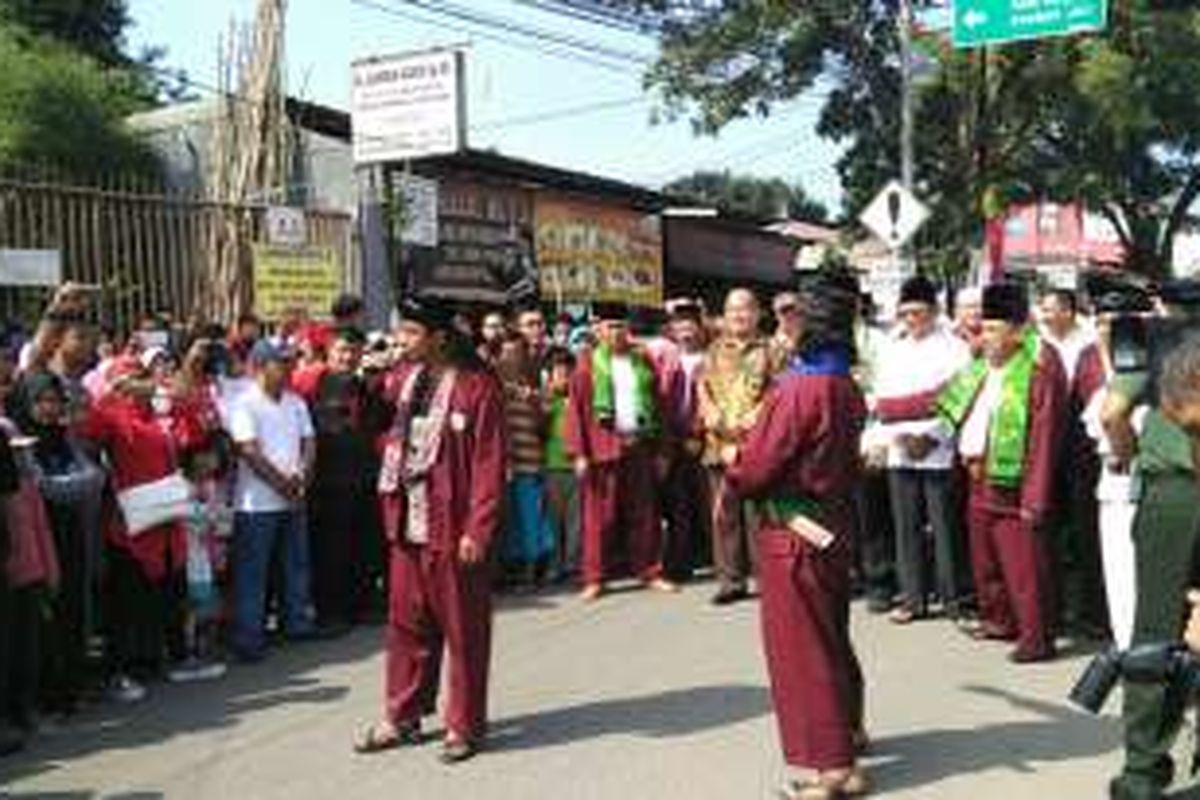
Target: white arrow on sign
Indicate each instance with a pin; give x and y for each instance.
(974, 18)
(894, 215)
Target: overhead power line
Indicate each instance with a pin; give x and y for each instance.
(484, 32)
(453, 10)
(559, 113)
(581, 12)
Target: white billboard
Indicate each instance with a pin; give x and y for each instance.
(408, 106)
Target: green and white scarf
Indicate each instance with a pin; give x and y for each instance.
(604, 403)
(1008, 428)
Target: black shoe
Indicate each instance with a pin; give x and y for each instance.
(11, 741)
(1031, 657)
(456, 752)
(1136, 787)
(320, 633)
(729, 596)
(879, 605)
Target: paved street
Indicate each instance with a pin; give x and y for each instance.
(638, 696)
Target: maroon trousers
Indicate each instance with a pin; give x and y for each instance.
(816, 681)
(438, 605)
(619, 499)
(1011, 568)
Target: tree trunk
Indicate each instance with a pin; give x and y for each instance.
(1147, 260)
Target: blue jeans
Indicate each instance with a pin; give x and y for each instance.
(526, 539)
(254, 540)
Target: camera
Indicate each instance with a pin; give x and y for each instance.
(1168, 663)
(1139, 342)
(216, 359)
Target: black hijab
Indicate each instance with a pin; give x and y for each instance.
(51, 450)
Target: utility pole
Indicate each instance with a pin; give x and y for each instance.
(904, 259)
(905, 22)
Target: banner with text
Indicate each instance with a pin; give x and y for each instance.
(589, 252)
(295, 277)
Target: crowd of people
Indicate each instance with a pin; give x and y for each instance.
(190, 493)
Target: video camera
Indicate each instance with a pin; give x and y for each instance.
(1140, 342)
(1169, 663)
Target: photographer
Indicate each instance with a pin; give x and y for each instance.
(1180, 387)
(1160, 454)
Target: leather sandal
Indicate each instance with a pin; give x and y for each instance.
(808, 789)
(456, 751)
(379, 737)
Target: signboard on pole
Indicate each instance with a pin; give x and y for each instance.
(420, 199)
(408, 106)
(894, 215)
(295, 277)
(983, 22)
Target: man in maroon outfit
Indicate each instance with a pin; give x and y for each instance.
(614, 417)
(801, 461)
(441, 486)
(1076, 524)
(1007, 518)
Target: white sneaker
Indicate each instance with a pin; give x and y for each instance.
(193, 669)
(125, 689)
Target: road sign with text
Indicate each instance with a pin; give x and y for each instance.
(982, 22)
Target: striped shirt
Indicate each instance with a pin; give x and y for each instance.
(523, 419)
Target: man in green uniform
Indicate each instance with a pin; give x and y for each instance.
(1164, 533)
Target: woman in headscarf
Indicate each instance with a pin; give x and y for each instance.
(29, 571)
(66, 478)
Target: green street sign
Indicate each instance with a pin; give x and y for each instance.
(983, 22)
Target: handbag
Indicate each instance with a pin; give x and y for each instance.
(158, 502)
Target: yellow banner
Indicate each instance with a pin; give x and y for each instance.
(588, 252)
(300, 277)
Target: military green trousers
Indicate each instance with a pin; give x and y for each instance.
(1163, 534)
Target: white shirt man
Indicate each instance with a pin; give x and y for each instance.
(279, 426)
(913, 368)
(273, 434)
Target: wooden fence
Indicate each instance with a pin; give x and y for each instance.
(150, 250)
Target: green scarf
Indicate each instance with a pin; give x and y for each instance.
(1009, 426)
(603, 400)
(783, 509)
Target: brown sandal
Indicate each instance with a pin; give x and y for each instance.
(850, 782)
(379, 737)
(902, 615)
(809, 789)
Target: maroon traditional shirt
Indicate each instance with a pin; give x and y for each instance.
(466, 482)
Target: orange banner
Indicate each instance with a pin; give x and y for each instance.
(588, 252)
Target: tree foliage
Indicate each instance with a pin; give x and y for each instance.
(66, 87)
(1112, 119)
(746, 195)
(95, 28)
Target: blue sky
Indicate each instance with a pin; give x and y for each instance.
(509, 82)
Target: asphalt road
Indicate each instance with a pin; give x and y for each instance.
(637, 696)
